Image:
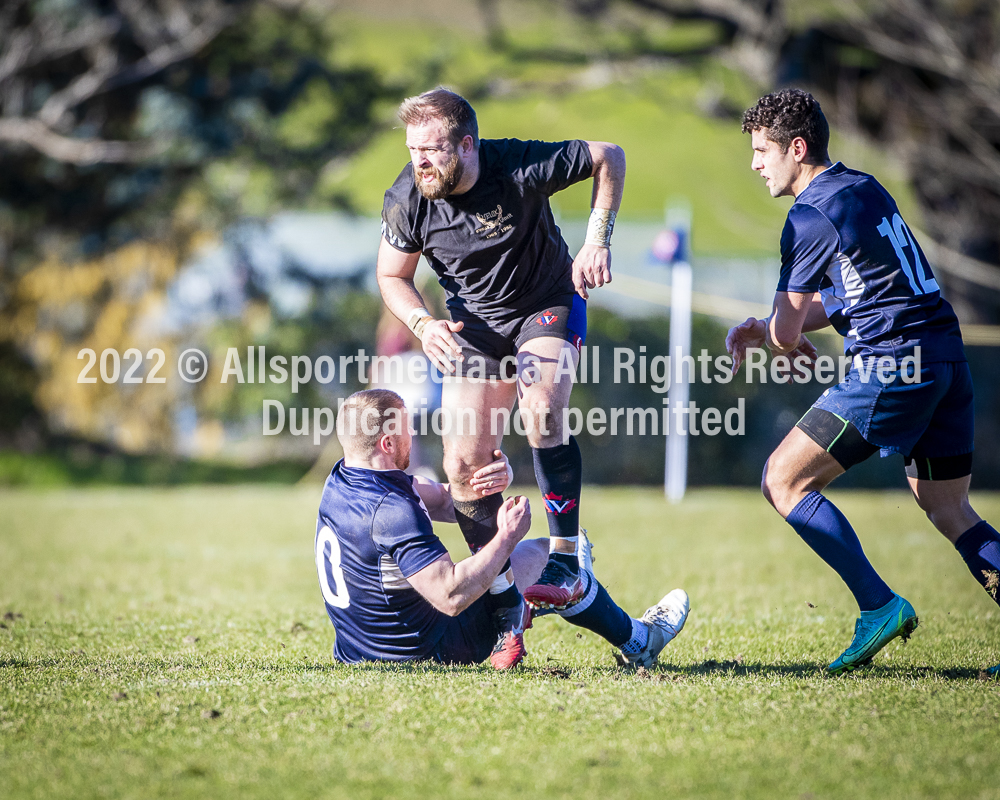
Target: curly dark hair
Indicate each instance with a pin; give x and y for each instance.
(789, 114)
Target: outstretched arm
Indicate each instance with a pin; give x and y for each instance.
(792, 313)
(450, 587)
(609, 175)
(491, 479)
(816, 318)
(592, 266)
(394, 271)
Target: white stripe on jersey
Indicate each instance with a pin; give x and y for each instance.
(392, 576)
(845, 293)
(389, 571)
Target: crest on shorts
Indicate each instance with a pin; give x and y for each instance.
(555, 504)
(493, 222)
(547, 318)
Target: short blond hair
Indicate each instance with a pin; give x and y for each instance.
(365, 417)
(452, 109)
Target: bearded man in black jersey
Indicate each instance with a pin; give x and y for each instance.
(479, 212)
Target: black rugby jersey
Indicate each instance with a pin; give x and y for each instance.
(496, 249)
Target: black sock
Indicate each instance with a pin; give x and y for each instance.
(559, 472)
(503, 600)
(597, 612)
(980, 547)
(477, 520)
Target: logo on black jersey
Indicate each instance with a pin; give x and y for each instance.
(493, 222)
(393, 239)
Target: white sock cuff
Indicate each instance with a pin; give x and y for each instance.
(502, 582)
(640, 635)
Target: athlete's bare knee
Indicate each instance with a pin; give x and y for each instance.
(784, 489)
(765, 488)
(542, 426)
(773, 487)
(951, 519)
(454, 469)
(548, 433)
(929, 513)
(459, 466)
(528, 561)
(923, 503)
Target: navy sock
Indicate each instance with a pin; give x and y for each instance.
(559, 472)
(504, 600)
(477, 520)
(827, 531)
(597, 612)
(980, 547)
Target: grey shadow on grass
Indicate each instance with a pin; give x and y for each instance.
(32, 663)
(169, 666)
(662, 672)
(741, 669)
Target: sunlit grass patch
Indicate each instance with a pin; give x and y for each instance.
(173, 643)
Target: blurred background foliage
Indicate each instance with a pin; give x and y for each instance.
(134, 135)
(177, 119)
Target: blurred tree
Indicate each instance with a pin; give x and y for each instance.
(128, 130)
(922, 77)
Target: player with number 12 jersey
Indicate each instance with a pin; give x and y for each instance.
(849, 260)
(845, 238)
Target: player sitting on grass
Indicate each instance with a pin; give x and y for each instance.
(848, 259)
(390, 587)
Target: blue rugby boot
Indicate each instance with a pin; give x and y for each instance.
(873, 631)
(994, 672)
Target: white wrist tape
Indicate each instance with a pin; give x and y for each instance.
(418, 320)
(599, 227)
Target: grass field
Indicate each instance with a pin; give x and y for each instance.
(173, 643)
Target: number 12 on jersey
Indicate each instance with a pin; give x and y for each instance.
(900, 236)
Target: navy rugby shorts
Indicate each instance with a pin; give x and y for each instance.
(932, 418)
(468, 638)
(488, 343)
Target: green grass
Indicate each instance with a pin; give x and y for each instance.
(83, 466)
(173, 643)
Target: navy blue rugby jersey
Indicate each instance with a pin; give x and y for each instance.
(496, 249)
(845, 238)
(373, 532)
